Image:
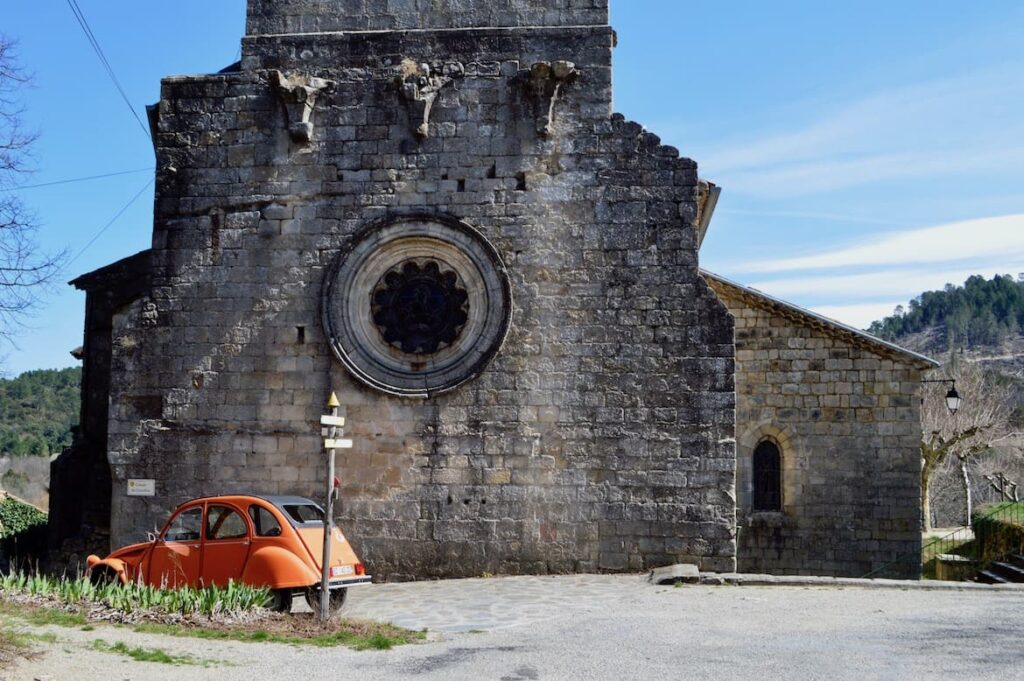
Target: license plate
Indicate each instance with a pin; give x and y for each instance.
(342, 570)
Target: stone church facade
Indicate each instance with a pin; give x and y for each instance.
(430, 209)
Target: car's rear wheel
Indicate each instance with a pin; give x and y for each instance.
(280, 600)
(335, 605)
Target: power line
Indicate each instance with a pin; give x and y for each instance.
(80, 17)
(75, 179)
(109, 224)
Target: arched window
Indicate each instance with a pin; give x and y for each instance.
(767, 477)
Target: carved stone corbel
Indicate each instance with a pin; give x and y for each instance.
(298, 93)
(420, 85)
(546, 80)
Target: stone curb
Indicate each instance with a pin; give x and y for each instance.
(712, 579)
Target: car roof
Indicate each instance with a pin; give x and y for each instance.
(280, 502)
(276, 500)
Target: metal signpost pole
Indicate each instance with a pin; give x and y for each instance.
(325, 568)
(332, 426)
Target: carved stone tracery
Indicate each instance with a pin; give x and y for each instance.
(419, 307)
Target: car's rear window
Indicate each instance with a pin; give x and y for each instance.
(304, 513)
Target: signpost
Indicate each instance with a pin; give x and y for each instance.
(332, 427)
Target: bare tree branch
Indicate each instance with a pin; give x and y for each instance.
(25, 270)
(982, 422)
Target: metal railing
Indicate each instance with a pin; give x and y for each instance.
(995, 532)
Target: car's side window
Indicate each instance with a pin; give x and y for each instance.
(264, 521)
(186, 526)
(224, 523)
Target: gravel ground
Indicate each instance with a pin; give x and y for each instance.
(528, 628)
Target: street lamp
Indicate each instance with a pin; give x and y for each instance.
(953, 399)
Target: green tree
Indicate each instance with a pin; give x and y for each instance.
(38, 410)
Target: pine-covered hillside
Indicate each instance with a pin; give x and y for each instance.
(37, 410)
(981, 314)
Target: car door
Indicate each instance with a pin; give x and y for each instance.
(226, 546)
(176, 555)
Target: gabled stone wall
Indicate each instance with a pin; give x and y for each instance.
(321, 16)
(846, 418)
(600, 435)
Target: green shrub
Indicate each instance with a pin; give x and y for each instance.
(18, 518)
(999, 530)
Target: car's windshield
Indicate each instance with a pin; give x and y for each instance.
(304, 513)
(186, 525)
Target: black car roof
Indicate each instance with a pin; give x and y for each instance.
(281, 501)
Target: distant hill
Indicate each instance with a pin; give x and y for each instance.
(980, 322)
(37, 410)
(983, 314)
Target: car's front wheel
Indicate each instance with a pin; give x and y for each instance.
(335, 605)
(103, 576)
(280, 600)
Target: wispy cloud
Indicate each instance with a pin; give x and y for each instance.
(900, 284)
(899, 133)
(859, 315)
(1000, 238)
(788, 180)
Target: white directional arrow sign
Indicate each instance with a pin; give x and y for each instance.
(336, 421)
(337, 444)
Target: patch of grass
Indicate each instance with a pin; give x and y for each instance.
(354, 634)
(44, 637)
(357, 634)
(140, 654)
(42, 617)
(11, 645)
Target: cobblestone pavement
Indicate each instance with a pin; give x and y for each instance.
(490, 604)
(608, 627)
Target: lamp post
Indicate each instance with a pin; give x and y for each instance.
(953, 399)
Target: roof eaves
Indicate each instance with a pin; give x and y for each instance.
(813, 318)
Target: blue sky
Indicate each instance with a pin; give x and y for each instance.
(867, 150)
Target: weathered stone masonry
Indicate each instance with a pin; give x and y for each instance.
(844, 410)
(428, 206)
(600, 436)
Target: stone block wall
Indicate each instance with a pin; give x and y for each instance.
(845, 414)
(601, 435)
(267, 17)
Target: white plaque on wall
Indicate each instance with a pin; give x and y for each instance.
(141, 488)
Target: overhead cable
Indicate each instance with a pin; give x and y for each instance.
(109, 224)
(75, 179)
(80, 17)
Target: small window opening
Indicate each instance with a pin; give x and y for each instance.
(521, 182)
(300, 335)
(767, 477)
(462, 185)
(492, 172)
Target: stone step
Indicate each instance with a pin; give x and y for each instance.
(989, 577)
(1010, 572)
(1017, 559)
(675, 574)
